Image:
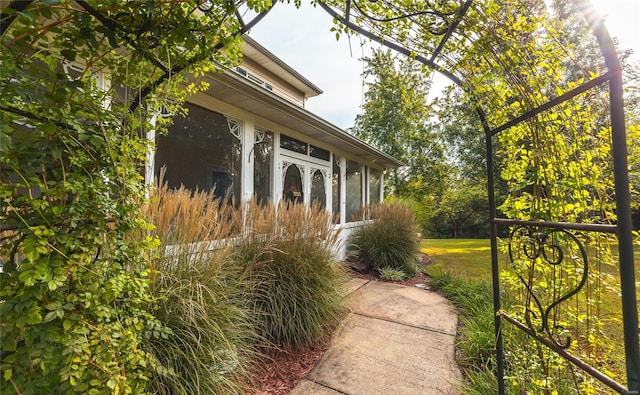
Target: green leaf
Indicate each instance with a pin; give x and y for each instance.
(31, 17)
(69, 54)
(5, 139)
(111, 384)
(49, 317)
(34, 317)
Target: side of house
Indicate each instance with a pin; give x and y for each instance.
(249, 135)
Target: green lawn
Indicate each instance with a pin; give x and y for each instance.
(462, 257)
(471, 258)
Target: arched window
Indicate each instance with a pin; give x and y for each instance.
(318, 193)
(292, 190)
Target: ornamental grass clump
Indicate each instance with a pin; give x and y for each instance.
(298, 285)
(390, 240)
(201, 296)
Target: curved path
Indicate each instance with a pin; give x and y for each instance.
(395, 340)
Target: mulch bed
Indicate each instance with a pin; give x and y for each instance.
(283, 370)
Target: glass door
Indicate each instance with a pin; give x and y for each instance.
(293, 188)
(318, 193)
(305, 181)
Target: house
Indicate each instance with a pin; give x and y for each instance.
(250, 134)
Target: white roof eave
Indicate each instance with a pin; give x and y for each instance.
(246, 95)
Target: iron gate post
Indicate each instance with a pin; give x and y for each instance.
(623, 196)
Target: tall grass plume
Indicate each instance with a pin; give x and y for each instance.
(298, 290)
(212, 336)
(390, 240)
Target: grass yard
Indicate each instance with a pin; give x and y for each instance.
(471, 259)
(462, 257)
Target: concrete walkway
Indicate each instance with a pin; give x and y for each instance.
(396, 340)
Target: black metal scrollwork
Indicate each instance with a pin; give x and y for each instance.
(545, 246)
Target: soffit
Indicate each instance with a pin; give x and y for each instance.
(239, 92)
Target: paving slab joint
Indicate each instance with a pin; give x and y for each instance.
(327, 386)
(405, 324)
(357, 289)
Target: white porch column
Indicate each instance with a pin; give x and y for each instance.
(381, 186)
(328, 191)
(343, 190)
(277, 174)
(366, 185)
(248, 140)
(149, 168)
(306, 184)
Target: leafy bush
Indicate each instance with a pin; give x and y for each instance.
(74, 301)
(201, 295)
(390, 241)
(474, 299)
(390, 274)
(298, 284)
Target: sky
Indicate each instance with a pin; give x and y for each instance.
(302, 39)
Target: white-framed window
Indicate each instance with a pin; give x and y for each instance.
(203, 151)
(263, 157)
(374, 185)
(354, 180)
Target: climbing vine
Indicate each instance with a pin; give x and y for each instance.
(511, 57)
(82, 83)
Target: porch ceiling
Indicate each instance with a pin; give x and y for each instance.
(242, 93)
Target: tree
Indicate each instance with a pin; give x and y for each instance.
(395, 119)
(81, 84)
(463, 203)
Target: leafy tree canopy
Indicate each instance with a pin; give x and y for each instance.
(395, 119)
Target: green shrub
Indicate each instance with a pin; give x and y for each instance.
(298, 285)
(201, 295)
(424, 210)
(390, 241)
(390, 274)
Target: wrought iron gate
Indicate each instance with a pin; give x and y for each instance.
(561, 247)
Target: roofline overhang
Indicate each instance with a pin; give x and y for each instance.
(329, 133)
(283, 70)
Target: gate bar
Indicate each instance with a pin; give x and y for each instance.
(593, 372)
(622, 195)
(556, 101)
(603, 228)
